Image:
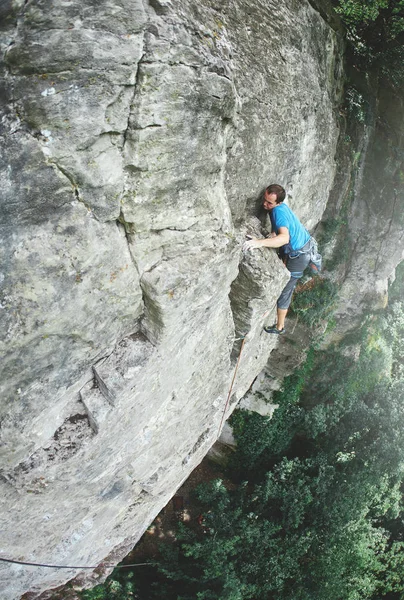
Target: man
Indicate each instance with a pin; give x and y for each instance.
(294, 240)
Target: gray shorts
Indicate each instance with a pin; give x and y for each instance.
(296, 266)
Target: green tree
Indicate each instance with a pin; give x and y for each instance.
(376, 34)
(118, 586)
(316, 517)
(312, 508)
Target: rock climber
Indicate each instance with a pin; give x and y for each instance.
(294, 242)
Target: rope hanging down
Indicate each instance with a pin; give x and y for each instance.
(231, 386)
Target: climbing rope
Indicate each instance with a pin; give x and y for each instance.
(266, 313)
(32, 564)
(232, 383)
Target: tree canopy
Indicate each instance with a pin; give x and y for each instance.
(376, 33)
(314, 507)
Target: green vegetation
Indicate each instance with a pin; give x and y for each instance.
(119, 586)
(312, 506)
(320, 513)
(314, 301)
(376, 34)
(357, 107)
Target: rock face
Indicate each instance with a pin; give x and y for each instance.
(375, 220)
(136, 138)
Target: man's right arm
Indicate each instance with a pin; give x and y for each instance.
(279, 240)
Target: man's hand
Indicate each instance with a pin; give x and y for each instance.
(252, 243)
(273, 241)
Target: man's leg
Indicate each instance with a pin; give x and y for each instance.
(285, 299)
(281, 316)
(296, 266)
(283, 304)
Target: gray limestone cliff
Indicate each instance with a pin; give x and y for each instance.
(373, 239)
(136, 139)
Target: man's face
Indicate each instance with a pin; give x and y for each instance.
(269, 201)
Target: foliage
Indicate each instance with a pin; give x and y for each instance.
(356, 105)
(118, 586)
(393, 330)
(256, 434)
(335, 229)
(314, 510)
(361, 14)
(319, 516)
(376, 33)
(314, 302)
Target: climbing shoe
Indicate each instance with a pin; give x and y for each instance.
(273, 329)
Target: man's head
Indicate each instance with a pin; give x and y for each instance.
(273, 195)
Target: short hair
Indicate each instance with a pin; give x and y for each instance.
(278, 190)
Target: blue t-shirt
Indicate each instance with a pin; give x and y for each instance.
(282, 216)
